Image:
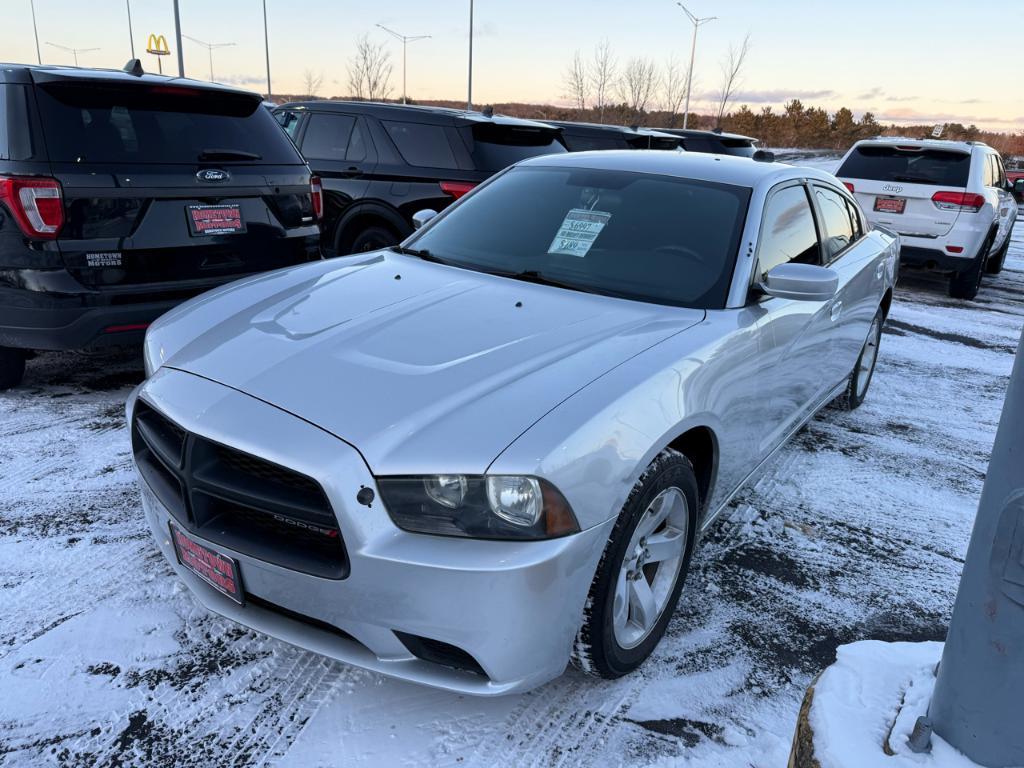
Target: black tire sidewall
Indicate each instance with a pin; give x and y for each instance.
(965, 284)
(611, 659)
(372, 238)
(853, 401)
(12, 367)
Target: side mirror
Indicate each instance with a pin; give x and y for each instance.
(1018, 187)
(422, 217)
(801, 282)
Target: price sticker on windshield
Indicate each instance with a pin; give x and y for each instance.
(578, 232)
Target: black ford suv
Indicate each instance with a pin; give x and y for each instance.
(581, 137)
(381, 163)
(122, 194)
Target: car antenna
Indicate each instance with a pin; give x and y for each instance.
(134, 67)
(764, 156)
(487, 111)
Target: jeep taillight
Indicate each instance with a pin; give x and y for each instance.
(456, 188)
(958, 201)
(35, 203)
(849, 186)
(316, 194)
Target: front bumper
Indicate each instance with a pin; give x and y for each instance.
(514, 607)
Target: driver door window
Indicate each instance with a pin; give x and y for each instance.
(788, 233)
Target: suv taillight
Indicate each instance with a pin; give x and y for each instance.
(456, 188)
(316, 194)
(958, 201)
(36, 204)
(849, 186)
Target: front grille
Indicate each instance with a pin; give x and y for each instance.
(240, 501)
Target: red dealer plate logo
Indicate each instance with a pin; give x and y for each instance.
(215, 569)
(214, 219)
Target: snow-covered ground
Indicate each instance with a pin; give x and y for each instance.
(857, 531)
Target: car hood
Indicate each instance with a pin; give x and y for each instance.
(422, 367)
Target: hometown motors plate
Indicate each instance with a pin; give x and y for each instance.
(890, 204)
(217, 570)
(214, 219)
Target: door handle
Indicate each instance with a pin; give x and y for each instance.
(837, 310)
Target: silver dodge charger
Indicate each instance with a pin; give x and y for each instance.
(469, 459)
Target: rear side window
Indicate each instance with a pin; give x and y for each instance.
(327, 136)
(290, 122)
(577, 143)
(913, 166)
(788, 232)
(494, 146)
(15, 133)
(100, 123)
(5, 150)
(835, 215)
(425, 146)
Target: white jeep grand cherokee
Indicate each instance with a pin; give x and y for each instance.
(949, 201)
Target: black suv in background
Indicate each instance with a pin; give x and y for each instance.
(381, 163)
(122, 194)
(581, 137)
(714, 142)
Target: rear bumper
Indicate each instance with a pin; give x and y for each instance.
(514, 607)
(49, 310)
(933, 258)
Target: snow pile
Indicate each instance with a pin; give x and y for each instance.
(867, 703)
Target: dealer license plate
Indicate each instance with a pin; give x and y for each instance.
(217, 570)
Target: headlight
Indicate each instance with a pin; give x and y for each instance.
(478, 506)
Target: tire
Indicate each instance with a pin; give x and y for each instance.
(613, 643)
(12, 367)
(864, 370)
(371, 238)
(995, 265)
(965, 284)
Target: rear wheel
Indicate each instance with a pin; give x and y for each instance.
(642, 570)
(12, 367)
(372, 238)
(995, 264)
(965, 284)
(860, 379)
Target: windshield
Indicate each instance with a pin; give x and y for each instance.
(633, 235)
(158, 124)
(920, 166)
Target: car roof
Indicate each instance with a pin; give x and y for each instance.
(695, 133)
(418, 112)
(724, 169)
(903, 141)
(631, 130)
(28, 73)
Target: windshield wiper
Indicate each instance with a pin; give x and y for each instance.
(228, 154)
(419, 253)
(533, 276)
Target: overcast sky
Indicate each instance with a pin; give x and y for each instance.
(906, 61)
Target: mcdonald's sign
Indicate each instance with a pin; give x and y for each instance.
(157, 45)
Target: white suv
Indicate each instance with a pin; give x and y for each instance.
(948, 200)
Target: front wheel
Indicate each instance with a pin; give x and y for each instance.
(642, 570)
(860, 379)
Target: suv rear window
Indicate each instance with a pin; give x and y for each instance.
(158, 124)
(495, 147)
(913, 166)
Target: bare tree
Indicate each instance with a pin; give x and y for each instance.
(577, 84)
(369, 70)
(673, 89)
(732, 67)
(602, 76)
(637, 84)
(312, 81)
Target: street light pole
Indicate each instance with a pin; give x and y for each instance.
(131, 36)
(693, 50)
(209, 47)
(469, 92)
(405, 39)
(35, 31)
(177, 40)
(266, 45)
